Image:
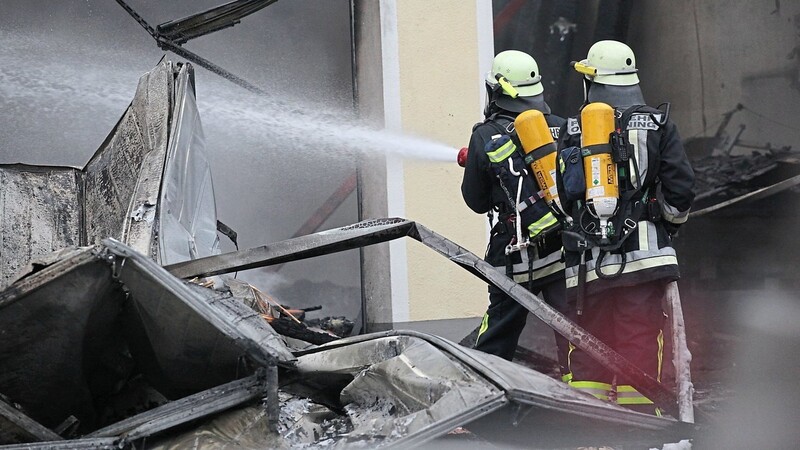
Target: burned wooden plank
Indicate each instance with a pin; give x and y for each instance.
(681, 358)
(16, 427)
(73, 444)
(181, 411)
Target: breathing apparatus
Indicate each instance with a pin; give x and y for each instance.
(600, 170)
(540, 154)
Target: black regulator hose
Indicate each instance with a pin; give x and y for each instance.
(600, 273)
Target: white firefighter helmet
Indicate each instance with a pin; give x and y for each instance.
(609, 62)
(514, 76)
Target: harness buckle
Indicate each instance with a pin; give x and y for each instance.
(511, 248)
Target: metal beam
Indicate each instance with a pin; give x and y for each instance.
(182, 30)
(372, 232)
(323, 243)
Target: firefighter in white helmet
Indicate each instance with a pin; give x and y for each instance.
(616, 278)
(525, 246)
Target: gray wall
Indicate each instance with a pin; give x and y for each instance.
(707, 56)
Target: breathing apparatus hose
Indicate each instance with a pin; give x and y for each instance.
(610, 276)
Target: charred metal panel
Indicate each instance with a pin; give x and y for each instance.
(114, 200)
(398, 390)
(67, 332)
(186, 337)
(39, 213)
(409, 371)
(58, 330)
(187, 214)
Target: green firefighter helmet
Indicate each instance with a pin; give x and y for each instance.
(514, 76)
(609, 62)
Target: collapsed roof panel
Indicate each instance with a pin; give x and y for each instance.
(124, 175)
(64, 319)
(391, 389)
(415, 372)
(83, 314)
(154, 155)
(29, 194)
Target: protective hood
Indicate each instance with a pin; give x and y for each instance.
(616, 96)
(521, 104)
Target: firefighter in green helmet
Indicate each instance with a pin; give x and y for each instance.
(525, 246)
(619, 261)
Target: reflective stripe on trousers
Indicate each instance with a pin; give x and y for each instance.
(595, 388)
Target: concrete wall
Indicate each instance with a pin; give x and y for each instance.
(433, 55)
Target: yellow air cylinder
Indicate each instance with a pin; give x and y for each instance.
(602, 189)
(540, 151)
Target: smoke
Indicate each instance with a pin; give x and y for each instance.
(69, 69)
(58, 103)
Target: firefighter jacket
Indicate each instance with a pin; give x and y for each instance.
(543, 261)
(665, 174)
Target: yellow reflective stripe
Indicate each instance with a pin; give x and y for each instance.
(502, 153)
(566, 378)
(484, 327)
(591, 385)
(628, 395)
(597, 389)
(542, 224)
(660, 353)
(633, 401)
